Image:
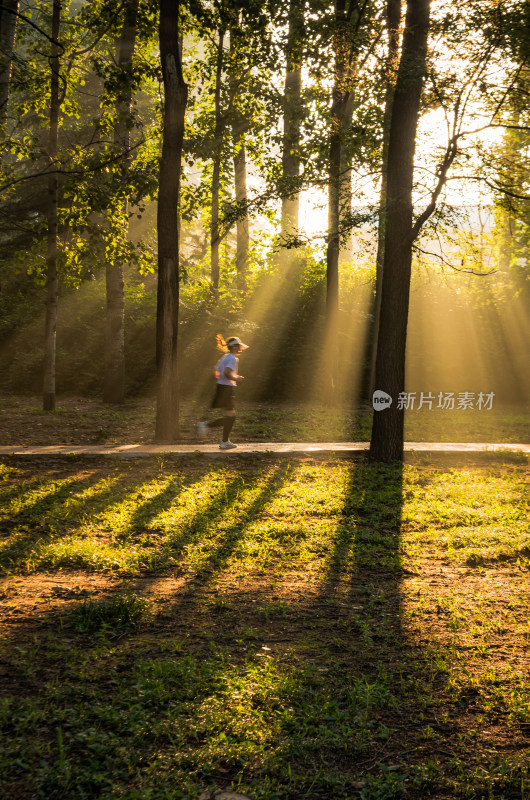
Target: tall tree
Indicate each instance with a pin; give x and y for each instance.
(509, 173)
(8, 26)
(239, 126)
(232, 122)
(340, 95)
(387, 431)
(175, 99)
(219, 128)
(393, 24)
(353, 41)
(291, 120)
(52, 284)
(114, 381)
(341, 98)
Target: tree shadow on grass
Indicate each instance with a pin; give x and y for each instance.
(368, 536)
(67, 503)
(40, 521)
(57, 512)
(220, 528)
(334, 696)
(352, 641)
(8, 494)
(208, 524)
(279, 697)
(147, 511)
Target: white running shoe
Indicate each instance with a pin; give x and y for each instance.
(202, 429)
(227, 446)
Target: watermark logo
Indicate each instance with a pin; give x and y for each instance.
(381, 400)
(446, 401)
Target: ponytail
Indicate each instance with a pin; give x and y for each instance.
(221, 344)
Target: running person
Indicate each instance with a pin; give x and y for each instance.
(227, 379)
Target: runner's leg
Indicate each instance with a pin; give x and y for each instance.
(228, 424)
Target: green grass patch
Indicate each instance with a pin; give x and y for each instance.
(109, 613)
(130, 518)
(283, 628)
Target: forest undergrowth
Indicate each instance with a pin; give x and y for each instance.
(87, 420)
(281, 627)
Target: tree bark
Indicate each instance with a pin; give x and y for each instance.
(341, 100)
(345, 191)
(216, 171)
(175, 99)
(291, 121)
(507, 230)
(52, 285)
(8, 27)
(333, 246)
(242, 223)
(341, 113)
(387, 431)
(393, 20)
(239, 126)
(114, 382)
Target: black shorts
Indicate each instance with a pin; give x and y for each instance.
(224, 397)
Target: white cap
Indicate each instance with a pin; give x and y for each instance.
(233, 340)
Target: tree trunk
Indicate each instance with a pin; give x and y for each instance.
(393, 18)
(242, 224)
(175, 99)
(345, 193)
(345, 180)
(239, 126)
(341, 98)
(216, 172)
(291, 120)
(507, 217)
(387, 431)
(507, 231)
(341, 111)
(52, 286)
(8, 26)
(333, 246)
(114, 382)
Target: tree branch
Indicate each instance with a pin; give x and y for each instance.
(84, 171)
(444, 260)
(450, 155)
(32, 24)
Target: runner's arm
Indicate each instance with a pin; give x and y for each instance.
(232, 375)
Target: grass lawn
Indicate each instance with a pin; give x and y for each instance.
(281, 627)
